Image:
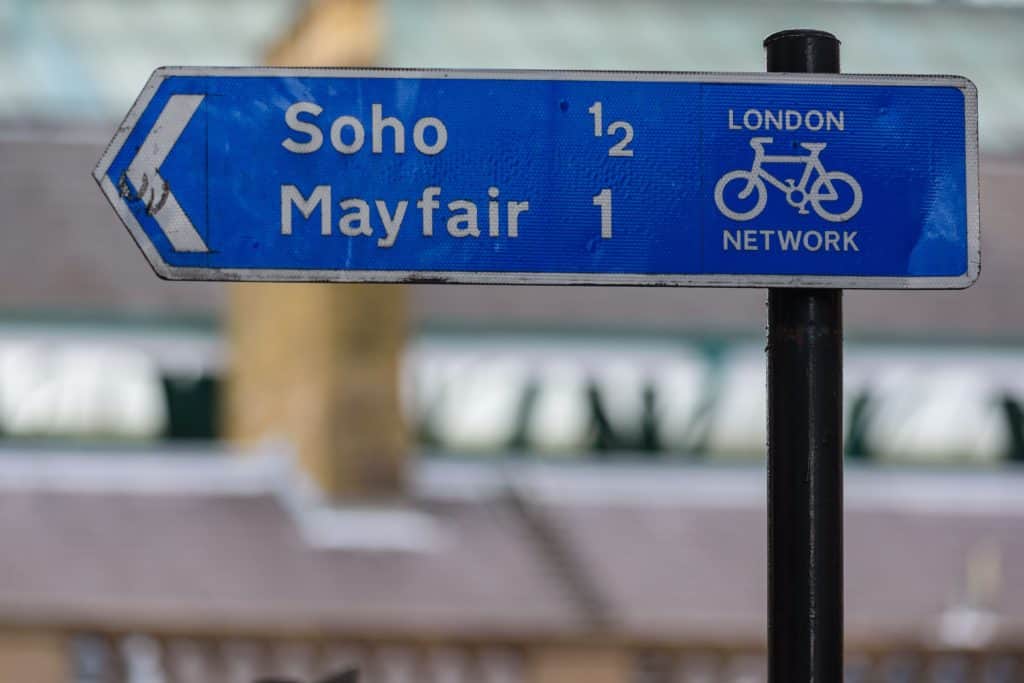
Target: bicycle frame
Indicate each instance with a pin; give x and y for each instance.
(810, 161)
(798, 193)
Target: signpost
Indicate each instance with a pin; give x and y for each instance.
(743, 180)
(805, 182)
(805, 447)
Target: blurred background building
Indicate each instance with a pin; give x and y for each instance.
(473, 484)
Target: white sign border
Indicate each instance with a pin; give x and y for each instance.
(169, 272)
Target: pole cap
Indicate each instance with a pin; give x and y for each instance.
(802, 50)
(801, 34)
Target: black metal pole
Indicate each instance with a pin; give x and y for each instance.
(805, 447)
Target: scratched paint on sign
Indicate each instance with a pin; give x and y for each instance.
(551, 177)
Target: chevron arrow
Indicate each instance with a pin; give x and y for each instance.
(149, 184)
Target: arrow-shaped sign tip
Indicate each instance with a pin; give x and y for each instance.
(143, 181)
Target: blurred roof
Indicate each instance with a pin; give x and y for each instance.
(214, 542)
(88, 59)
(65, 247)
(80, 63)
(650, 553)
(67, 251)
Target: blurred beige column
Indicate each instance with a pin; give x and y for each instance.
(318, 364)
(34, 656)
(579, 664)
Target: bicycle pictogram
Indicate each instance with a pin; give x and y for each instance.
(822, 195)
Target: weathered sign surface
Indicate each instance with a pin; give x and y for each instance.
(698, 179)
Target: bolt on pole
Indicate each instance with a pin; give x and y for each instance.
(805, 446)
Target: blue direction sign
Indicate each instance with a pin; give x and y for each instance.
(551, 177)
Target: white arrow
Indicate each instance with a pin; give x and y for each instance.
(150, 186)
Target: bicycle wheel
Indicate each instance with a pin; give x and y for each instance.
(835, 178)
(748, 180)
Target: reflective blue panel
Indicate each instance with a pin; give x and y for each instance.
(749, 180)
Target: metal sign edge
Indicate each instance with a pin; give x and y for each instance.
(142, 241)
(169, 272)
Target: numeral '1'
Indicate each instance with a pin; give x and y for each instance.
(604, 200)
